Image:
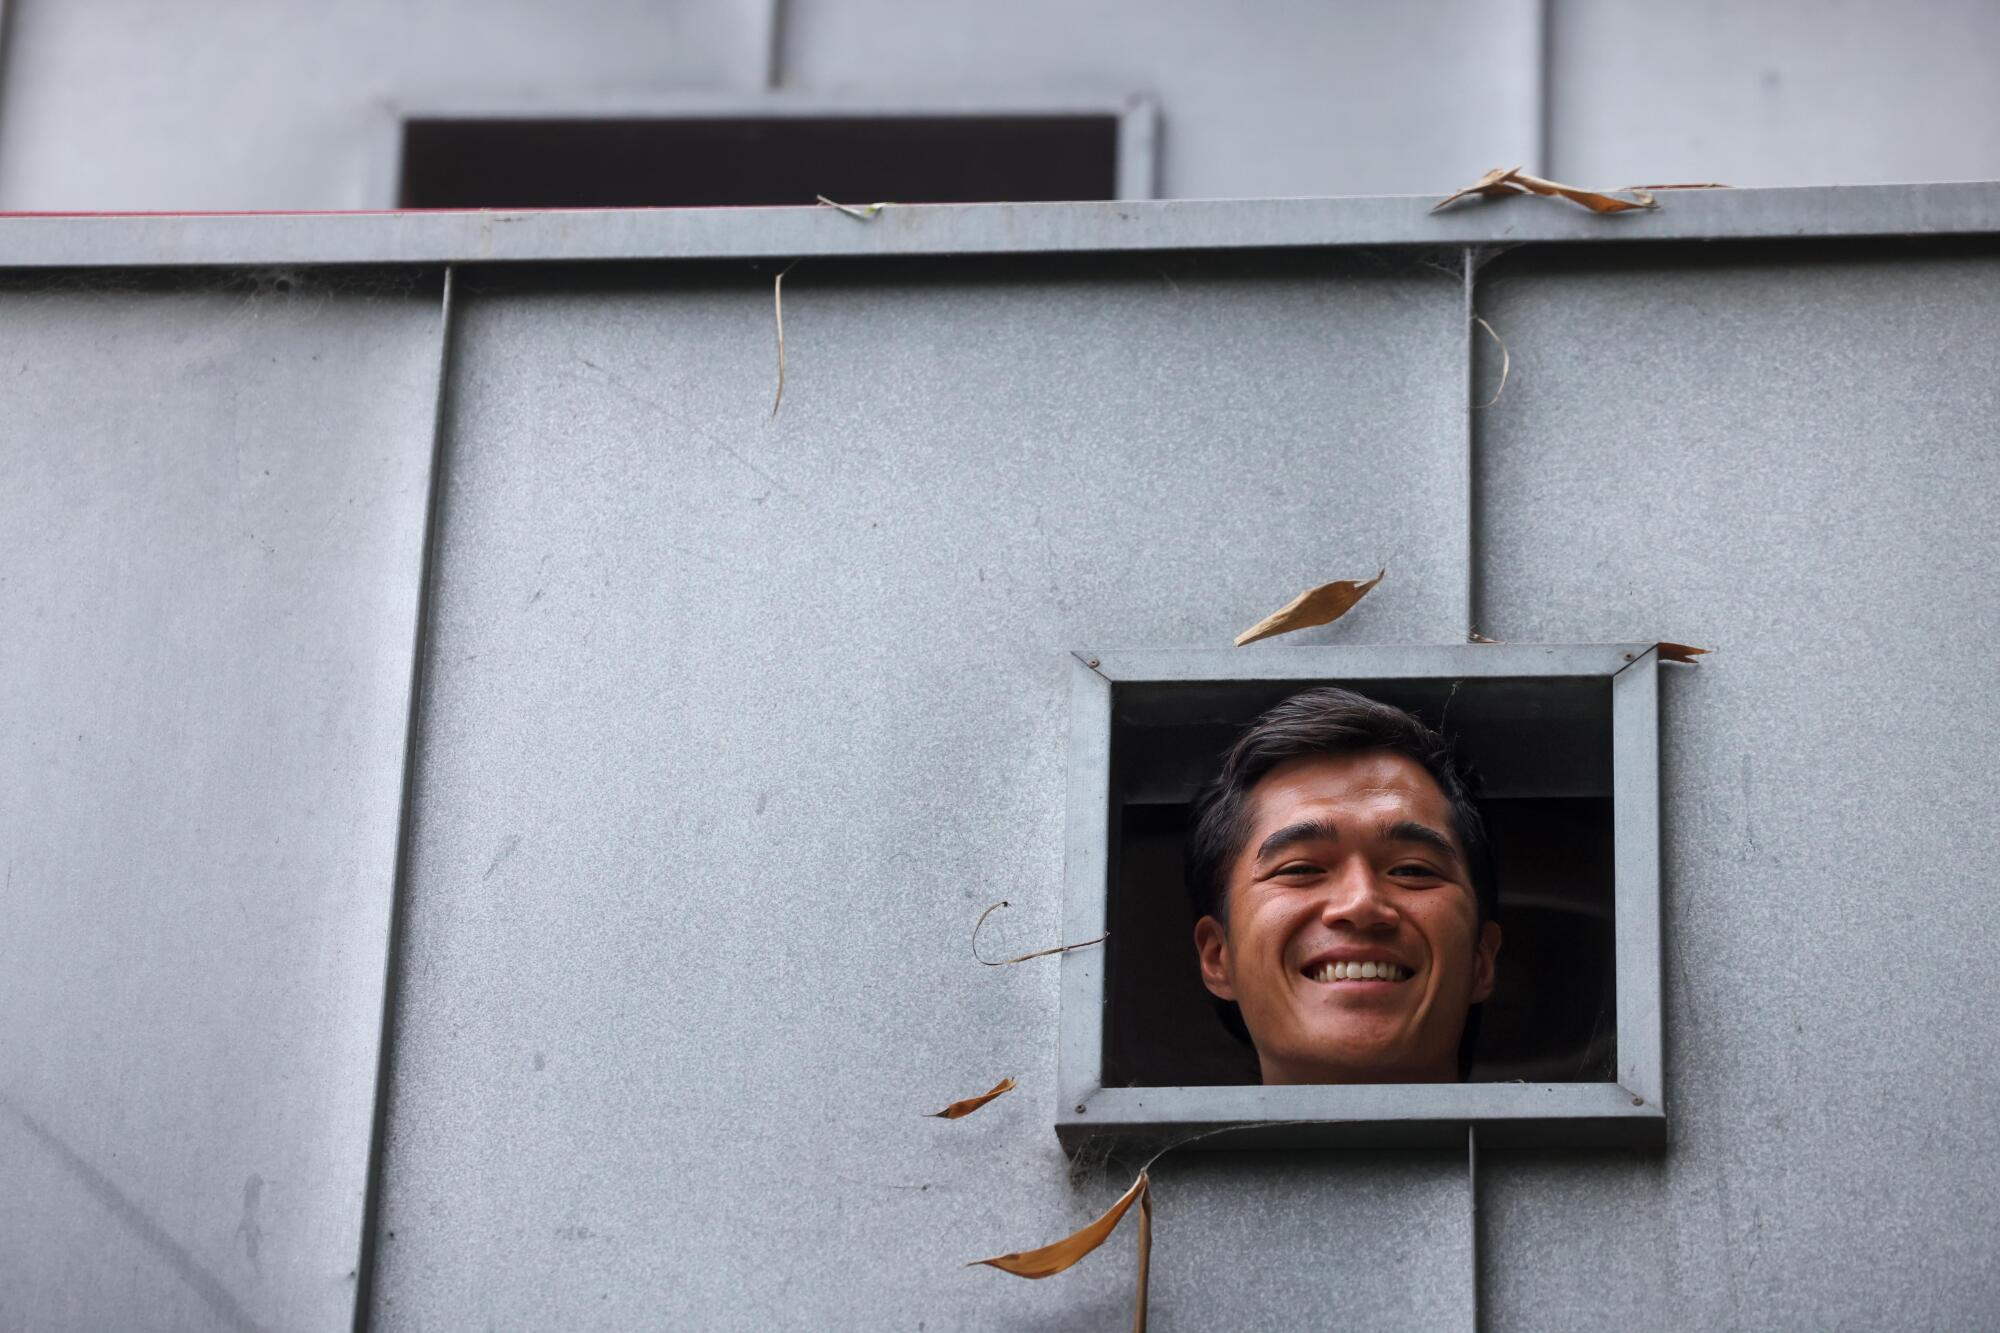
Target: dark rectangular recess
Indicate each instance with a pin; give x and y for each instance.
(1541, 748)
(693, 162)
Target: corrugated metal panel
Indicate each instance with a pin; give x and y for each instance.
(227, 104)
(737, 722)
(212, 500)
(1798, 92)
(1785, 455)
(117, 104)
(1291, 99)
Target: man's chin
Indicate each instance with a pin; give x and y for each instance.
(1352, 1058)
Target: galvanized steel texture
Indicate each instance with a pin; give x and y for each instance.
(734, 723)
(219, 104)
(106, 104)
(212, 495)
(1784, 453)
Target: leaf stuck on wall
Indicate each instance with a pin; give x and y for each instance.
(1503, 181)
(971, 1104)
(1052, 1259)
(863, 212)
(1681, 652)
(778, 305)
(1316, 606)
(1506, 360)
(1022, 958)
(1145, 1255)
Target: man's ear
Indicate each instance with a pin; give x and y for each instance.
(1484, 967)
(1211, 943)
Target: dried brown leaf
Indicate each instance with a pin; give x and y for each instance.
(1145, 1256)
(778, 305)
(1513, 180)
(1680, 652)
(1506, 360)
(971, 1104)
(1052, 1259)
(1022, 958)
(1474, 636)
(1493, 184)
(864, 212)
(1316, 606)
(1597, 201)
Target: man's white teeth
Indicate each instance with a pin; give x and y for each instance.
(1361, 972)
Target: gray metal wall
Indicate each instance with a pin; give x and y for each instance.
(1799, 92)
(235, 104)
(732, 724)
(736, 723)
(212, 496)
(1790, 458)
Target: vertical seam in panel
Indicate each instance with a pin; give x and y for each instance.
(1137, 160)
(1472, 607)
(1472, 1215)
(1545, 71)
(774, 47)
(391, 972)
(7, 8)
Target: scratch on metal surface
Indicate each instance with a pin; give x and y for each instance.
(654, 403)
(189, 1269)
(249, 1228)
(507, 847)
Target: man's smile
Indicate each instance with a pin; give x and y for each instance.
(1349, 971)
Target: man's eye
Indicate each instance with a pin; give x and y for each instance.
(1415, 872)
(1296, 869)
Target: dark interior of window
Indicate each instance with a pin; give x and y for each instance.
(699, 162)
(1541, 749)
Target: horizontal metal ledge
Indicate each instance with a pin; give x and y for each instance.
(232, 240)
(1372, 1115)
(1363, 661)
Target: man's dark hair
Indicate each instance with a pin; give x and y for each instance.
(1328, 721)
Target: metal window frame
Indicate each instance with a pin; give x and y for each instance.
(1138, 117)
(1631, 1111)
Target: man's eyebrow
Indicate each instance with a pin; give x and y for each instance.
(1409, 830)
(1305, 830)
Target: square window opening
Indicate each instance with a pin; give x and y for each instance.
(1564, 744)
(1541, 750)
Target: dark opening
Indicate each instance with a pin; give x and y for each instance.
(690, 163)
(1542, 750)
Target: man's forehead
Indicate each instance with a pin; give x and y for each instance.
(1377, 784)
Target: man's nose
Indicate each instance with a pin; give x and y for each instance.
(1357, 900)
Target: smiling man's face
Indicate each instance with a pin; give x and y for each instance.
(1353, 943)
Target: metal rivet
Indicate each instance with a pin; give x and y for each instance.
(1079, 1108)
(1638, 1101)
(1628, 657)
(1092, 662)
